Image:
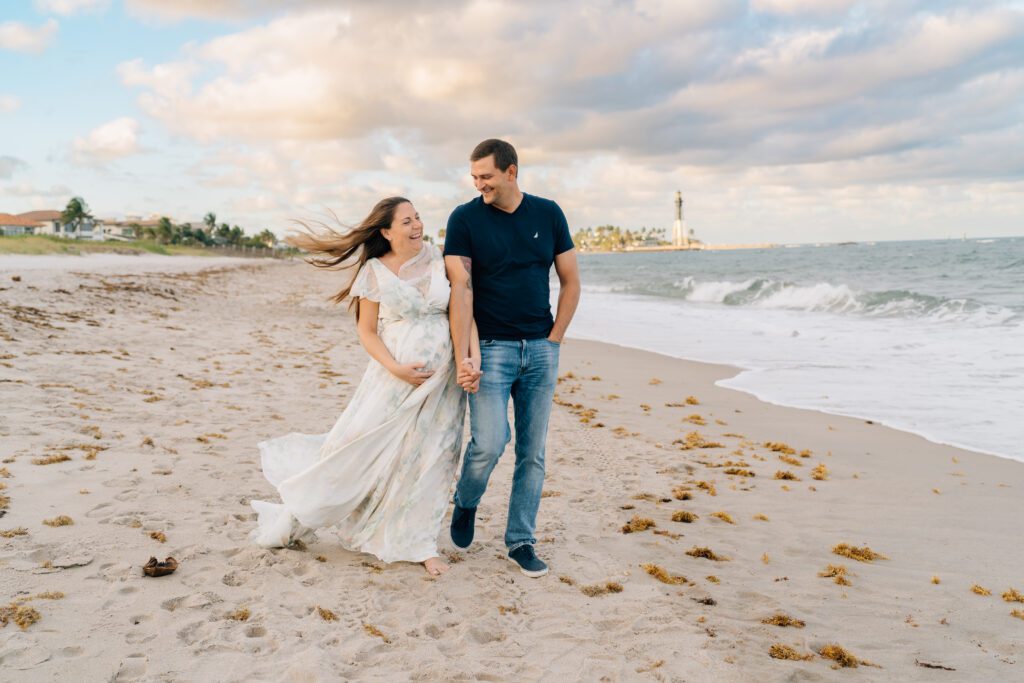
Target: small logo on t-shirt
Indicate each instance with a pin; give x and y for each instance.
(535, 235)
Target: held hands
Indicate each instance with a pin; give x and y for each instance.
(468, 375)
(413, 373)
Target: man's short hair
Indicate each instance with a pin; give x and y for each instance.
(504, 153)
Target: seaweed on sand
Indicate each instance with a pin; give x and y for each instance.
(705, 553)
(638, 524)
(660, 574)
(780, 651)
(783, 620)
(838, 572)
(842, 657)
(864, 554)
(684, 516)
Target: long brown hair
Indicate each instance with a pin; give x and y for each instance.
(329, 248)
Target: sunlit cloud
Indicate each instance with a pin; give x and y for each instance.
(767, 114)
(19, 37)
(804, 7)
(66, 8)
(110, 141)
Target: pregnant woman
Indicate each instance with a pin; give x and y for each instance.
(382, 476)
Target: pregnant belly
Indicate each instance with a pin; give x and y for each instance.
(426, 340)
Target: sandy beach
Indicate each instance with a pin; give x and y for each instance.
(133, 395)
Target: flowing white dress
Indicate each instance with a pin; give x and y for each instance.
(383, 474)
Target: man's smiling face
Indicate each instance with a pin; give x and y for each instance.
(492, 183)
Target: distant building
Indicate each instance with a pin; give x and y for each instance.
(11, 225)
(50, 223)
(129, 228)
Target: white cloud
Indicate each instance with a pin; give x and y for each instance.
(211, 10)
(19, 37)
(229, 10)
(113, 140)
(66, 8)
(776, 115)
(802, 7)
(10, 165)
(35, 193)
(9, 103)
(167, 81)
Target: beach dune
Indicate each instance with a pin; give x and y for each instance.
(693, 532)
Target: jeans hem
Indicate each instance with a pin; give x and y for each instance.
(517, 546)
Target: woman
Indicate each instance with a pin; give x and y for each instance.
(383, 474)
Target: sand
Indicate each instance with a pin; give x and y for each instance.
(158, 381)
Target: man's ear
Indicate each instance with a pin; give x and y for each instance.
(513, 171)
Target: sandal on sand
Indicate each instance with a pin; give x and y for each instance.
(154, 568)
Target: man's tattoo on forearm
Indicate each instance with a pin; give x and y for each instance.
(467, 263)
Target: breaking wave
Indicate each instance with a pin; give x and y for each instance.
(829, 298)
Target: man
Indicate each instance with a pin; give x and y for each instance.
(498, 251)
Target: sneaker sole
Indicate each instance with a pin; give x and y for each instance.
(532, 574)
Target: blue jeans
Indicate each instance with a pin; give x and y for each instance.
(526, 370)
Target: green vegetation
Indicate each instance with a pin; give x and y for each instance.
(614, 238)
(76, 213)
(163, 237)
(166, 232)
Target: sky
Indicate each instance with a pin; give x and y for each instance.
(780, 120)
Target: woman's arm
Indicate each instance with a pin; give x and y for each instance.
(369, 312)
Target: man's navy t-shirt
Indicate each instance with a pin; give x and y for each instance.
(512, 255)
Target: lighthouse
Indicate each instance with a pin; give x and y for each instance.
(680, 235)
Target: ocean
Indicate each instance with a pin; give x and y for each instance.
(923, 336)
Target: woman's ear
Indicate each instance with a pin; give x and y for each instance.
(385, 233)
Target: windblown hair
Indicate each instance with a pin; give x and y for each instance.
(504, 153)
(330, 248)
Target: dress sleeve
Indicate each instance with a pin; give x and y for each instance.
(365, 285)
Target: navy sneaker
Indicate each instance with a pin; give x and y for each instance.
(463, 520)
(528, 562)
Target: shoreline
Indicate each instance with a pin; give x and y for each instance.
(146, 393)
(739, 369)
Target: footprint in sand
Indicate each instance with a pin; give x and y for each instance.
(133, 667)
(139, 633)
(115, 571)
(100, 511)
(196, 632)
(234, 578)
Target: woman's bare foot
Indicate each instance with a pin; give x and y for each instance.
(435, 566)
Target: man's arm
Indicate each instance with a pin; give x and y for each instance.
(460, 316)
(568, 294)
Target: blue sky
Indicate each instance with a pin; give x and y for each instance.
(780, 120)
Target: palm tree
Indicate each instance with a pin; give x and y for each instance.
(76, 213)
(224, 233)
(267, 237)
(164, 230)
(210, 220)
